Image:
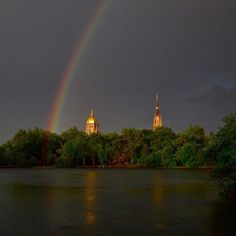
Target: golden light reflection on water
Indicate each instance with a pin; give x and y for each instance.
(159, 192)
(90, 197)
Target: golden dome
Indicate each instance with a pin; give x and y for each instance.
(91, 119)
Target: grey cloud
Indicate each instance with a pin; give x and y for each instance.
(176, 48)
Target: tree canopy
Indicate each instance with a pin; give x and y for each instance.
(222, 152)
(162, 147)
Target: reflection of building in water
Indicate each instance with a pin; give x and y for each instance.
(158, 185)
(90, 197)
(92, 126)
(157, 121)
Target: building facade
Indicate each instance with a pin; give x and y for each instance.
(157, 121)
(92, 126)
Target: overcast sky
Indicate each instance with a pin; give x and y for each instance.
(184, 50)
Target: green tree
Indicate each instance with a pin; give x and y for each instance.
(69, 152)
(188, 155)
(132, 141)
(162, 143)
(168, 157)
(3, 158)
(73, 152)
(191, 146)
(70, 134)
(113, 147)
(162, 137)
(145, 151)
(153, 160)
(24, 145)
(33, 161)
(222, 151)
(194, 134)
(30, 144)
(92, 148)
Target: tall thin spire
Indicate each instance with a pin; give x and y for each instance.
(157, 111)
(157, 121)
(92, 113)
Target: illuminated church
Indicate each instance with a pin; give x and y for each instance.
(92, 126)
(157, 121)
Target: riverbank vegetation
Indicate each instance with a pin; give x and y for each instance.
(191, 148)
(222, 152)
(143, 148)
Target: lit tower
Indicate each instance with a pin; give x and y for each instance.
(157, 121)
(92, 126)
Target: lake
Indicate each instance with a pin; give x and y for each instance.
(112, 202)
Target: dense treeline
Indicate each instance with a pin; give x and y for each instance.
(144, 148)
(132, 147)
(222, 152)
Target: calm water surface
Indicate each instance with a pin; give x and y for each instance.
(112, 202)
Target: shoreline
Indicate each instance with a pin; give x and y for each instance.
(110, 167)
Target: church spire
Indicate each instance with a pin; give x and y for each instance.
(157, 111)
(92, 113)
(157, 121)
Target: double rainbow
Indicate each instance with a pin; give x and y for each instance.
(74, 62)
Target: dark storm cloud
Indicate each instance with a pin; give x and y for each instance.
(37, 39)
(212, 103)
(218, 96)
(220, 100)
(181, 49)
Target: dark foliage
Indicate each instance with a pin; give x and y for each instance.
(133, 147)
(222, 152)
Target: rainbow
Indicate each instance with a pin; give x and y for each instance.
(75, 60)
